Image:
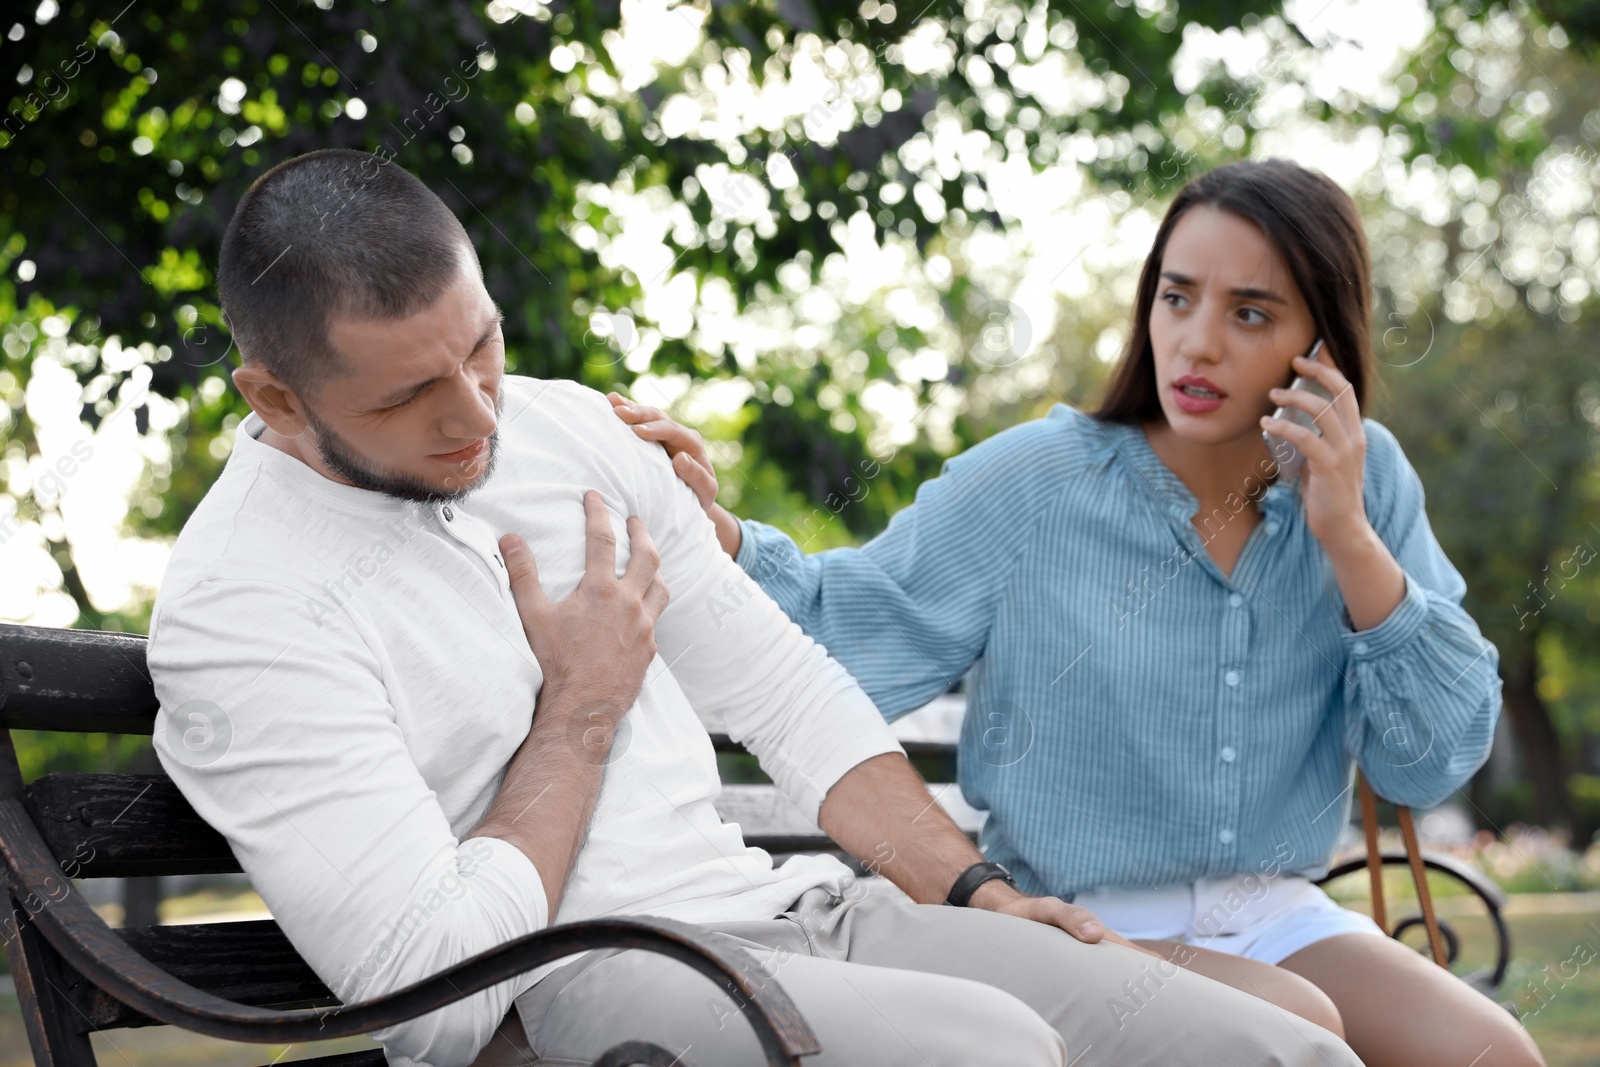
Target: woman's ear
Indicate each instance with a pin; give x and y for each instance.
(271, 398)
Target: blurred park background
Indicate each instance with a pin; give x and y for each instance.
(846, 239)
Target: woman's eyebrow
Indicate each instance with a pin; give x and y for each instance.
(1259, 294)
(1251, 294)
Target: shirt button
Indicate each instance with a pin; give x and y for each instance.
(1225, 836)
(1359, 647)
(1228, 754)
(500, 561)
(448, 513)
(1234, 600)
(1272, 528)
(1232, 677)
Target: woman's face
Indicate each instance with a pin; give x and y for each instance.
(1226, 322)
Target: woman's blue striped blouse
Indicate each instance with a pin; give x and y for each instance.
(1135, 717)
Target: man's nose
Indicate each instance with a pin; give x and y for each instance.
(471, 410)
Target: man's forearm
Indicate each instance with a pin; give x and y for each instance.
(881, 813)
(549, 790)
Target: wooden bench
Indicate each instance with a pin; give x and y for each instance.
(240, 981)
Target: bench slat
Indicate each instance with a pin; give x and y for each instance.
(124, 825)
(768, 819)
(246, 962)
(77, 680)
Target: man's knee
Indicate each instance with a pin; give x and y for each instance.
(1293, 992)
(984, 1024)
(1292, 1040)
(892, 1017)
(1323, 1048)
(1251, 1030)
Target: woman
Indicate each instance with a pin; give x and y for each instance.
(1174, 657)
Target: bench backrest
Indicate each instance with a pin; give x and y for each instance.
(120, 825)
(769, 820)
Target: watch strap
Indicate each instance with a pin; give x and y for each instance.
(974, 876)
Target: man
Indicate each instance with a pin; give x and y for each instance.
(428, 725)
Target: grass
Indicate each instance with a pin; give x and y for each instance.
(1558, 993)
(164, 1046)
(1553, 980)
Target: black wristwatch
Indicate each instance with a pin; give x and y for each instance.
(972, 878)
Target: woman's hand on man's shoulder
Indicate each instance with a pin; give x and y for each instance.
(687, 451)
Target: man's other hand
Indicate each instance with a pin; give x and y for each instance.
(594, 646)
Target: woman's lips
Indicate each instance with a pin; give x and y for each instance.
(461, 455)
(1197, 395)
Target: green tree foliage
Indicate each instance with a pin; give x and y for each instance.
(128, 146)
(129, 136)
(1509, 461)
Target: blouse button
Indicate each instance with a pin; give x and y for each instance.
(1272, 529)
(1234, 600)
(1225, 836)
(1359, 647)
(1228, 754)
(1232, 677)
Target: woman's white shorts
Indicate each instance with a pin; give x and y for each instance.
(1259, 918)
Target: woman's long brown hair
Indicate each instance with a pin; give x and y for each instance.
(1316, 229)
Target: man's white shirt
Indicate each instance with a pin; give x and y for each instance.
(343, 678)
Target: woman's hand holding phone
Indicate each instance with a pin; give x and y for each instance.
(1331, 485)
(1335, 459)
(687, 450)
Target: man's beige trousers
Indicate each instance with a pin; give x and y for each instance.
(888, 983)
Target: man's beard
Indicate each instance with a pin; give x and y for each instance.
(343, 460)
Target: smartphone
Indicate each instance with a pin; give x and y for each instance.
(1289, 458)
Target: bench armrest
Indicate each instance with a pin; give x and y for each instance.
(85, 942)
(1479, 884)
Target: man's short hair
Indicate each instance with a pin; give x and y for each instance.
(334, 232)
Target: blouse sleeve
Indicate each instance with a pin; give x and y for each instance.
(1422, 688)
(908, 613)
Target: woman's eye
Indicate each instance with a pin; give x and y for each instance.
(1260, 316)
(1173, 298)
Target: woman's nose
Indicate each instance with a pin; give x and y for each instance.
(1201, 342)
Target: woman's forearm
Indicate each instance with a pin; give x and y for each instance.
(1369, 577)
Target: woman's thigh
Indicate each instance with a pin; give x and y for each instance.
(1402, 1010)
(1275, 985)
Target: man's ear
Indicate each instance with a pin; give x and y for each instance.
(277, 403)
